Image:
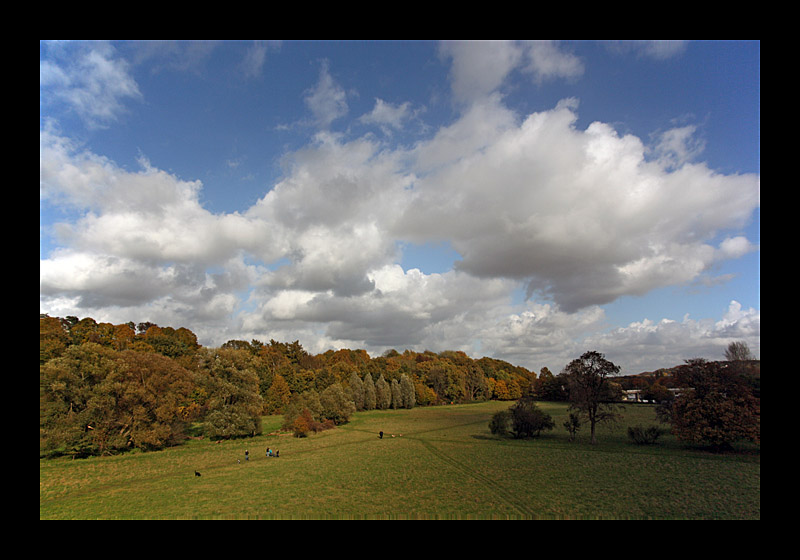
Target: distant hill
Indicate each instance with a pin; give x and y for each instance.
(751, 367)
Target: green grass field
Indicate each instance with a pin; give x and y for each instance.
(442, 463)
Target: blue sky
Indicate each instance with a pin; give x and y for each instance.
(525, 200)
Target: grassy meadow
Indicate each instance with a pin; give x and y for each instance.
(442, 463)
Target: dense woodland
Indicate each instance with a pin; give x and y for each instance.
(108, 388)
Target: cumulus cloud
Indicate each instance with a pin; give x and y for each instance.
(648, 345)
(580, 217)
(583, 216)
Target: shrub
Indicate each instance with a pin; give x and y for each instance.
(528, 420)
(573, 424)
(500, 424)
(523, 420)
(302, 424)
(644, 436)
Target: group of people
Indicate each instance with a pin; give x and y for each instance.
(270, 453)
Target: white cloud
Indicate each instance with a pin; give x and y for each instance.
(678, 146)
(653, 49)
(581, 216)
(479, 67)
(388, 116)
(546, 61)
(327, 100)
(95, 83)
(735, 247)
(649, 345)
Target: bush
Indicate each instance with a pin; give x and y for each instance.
(572, 425)
(523, 420)
(644, 436)
(501, 423)
(528, 420)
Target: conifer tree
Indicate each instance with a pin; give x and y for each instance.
(397, 395)
(383, 394)
(278, 395)
(407, 389)
(370, 399)
(356, 391)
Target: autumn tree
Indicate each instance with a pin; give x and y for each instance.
(99, 401)
(589, 389)
(717, 406)
(53, 338)
(231, 380)
(277, 396)
(150, 390)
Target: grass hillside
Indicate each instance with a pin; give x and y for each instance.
(442, 463)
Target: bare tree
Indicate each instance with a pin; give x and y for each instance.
(738, 352)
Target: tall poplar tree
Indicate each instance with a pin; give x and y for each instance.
(383, 394)
(407, 389)
(356, 390)
(370, 397)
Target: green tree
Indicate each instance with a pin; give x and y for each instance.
(234, 402)
(500, 424)
(383, 394)
(408, 394)
(336, 405)
(356, 390)
(548, 387)
(370, 396)
(397, 394)
(524, 419)
(588, 380)
(75, 414)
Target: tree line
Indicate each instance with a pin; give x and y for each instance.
(107, 388)
(711, 404)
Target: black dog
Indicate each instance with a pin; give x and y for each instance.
(196, 473)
